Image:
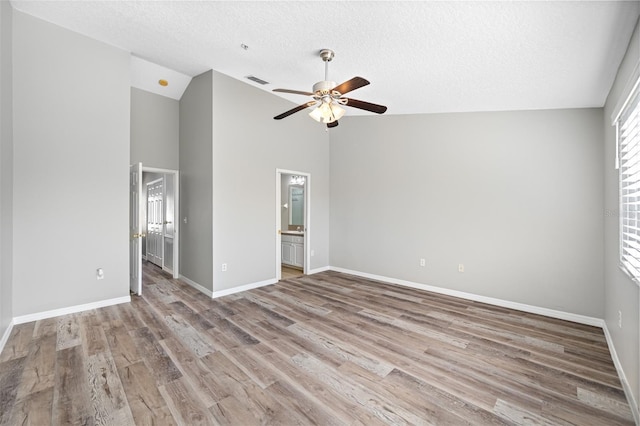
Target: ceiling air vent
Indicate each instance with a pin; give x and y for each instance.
(257, 80)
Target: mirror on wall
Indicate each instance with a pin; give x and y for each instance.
(296, 206)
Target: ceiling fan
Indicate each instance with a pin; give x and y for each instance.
(328, 97)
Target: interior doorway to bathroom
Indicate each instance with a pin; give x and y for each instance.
(293, 223)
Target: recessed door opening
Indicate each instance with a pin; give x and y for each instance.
(293, 223)
(154, 201)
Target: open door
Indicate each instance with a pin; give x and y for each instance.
(135, 227)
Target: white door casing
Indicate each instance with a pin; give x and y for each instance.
(135, 229)
(171, 226)
(307, 222)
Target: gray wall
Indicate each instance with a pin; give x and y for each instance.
(514, 196)
(621, 294)
(71, 158)
(154, 130)
(196, 130)
(248, 147)
(6, 168)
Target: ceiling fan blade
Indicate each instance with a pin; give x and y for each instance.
(295, 92)
(367, 106)
(353, 84)
(294, 110)
(332, 124)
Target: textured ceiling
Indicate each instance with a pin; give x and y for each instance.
(421, 57)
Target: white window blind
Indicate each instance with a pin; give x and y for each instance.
(628, 129)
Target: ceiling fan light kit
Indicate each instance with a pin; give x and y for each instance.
(327, 97)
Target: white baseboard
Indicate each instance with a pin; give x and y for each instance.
(243, 288)
(5, 336)
(70, 310)
(220, 293)
(318, 270)
(633, 405)
(195, 285)
(581, 319)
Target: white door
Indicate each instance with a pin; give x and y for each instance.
(135, 248)
(155, 221)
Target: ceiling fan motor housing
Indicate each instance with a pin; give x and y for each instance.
(323, 87)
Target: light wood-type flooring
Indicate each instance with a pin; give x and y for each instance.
(288, 273)
(327, 349)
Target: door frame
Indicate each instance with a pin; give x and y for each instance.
(307, 221)
(135, 237)
(176, 215)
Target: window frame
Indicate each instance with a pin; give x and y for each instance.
(627, 128)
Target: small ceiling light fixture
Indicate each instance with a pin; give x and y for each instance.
(327, 112)
(163, 83)
(297, 180)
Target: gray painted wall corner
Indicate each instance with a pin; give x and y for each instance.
(249, 145)
(196, 180)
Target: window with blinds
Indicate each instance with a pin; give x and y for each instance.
(628, 134)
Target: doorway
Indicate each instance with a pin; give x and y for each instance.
(165, 233)
(293, 223)
(160, 230)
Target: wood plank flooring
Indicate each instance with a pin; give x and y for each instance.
(288, 272)
(327, 349)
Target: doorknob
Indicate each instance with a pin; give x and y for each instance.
(141, 235)
(166, 222)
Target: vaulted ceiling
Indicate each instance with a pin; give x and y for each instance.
(421, 57)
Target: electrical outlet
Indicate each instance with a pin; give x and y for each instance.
(423, 262)
(224, 267)
(99, 274)
(620, 319)
(460, 267)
